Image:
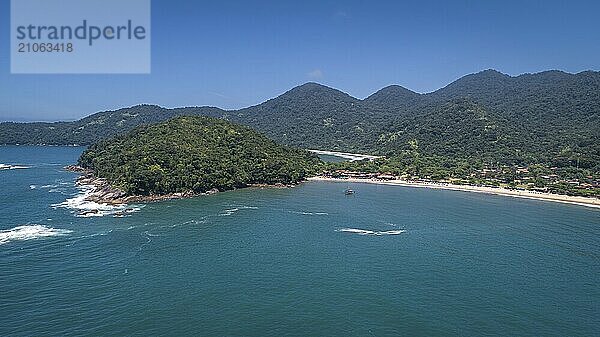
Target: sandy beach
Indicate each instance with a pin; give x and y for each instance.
(582, 201)
(345, 155)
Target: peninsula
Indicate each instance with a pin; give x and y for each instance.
(188, 156)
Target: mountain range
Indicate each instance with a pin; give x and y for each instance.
(550, 117)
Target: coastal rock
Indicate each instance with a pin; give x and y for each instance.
(100, 189)
(76, 168)
(212, 191)
(102, 192)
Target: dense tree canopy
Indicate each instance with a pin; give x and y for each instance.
(195, 154)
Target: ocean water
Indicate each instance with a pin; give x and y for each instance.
(330, 158)
(305, 261)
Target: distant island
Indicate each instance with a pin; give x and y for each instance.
(533, 131)
(188, 156)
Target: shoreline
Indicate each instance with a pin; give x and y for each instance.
(573, 200)
(102, 192)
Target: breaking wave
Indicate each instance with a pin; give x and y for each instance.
(30, 232)
(12, 167)
(86, 209)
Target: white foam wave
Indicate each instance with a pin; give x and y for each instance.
(29, 232)
(189, 222)
(96, 234)
(86, 209)
(57, 187)
(12, 167)
(230, 211)
(368, 232)
(309, 213)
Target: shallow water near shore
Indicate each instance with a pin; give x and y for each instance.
(303, 261)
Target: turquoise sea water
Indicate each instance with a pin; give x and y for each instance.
(273, 262)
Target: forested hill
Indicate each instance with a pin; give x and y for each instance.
(551, 117)
(93, 128)
(195, 154)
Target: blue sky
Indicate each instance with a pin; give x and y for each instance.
(233, 54)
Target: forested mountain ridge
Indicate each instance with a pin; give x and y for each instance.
(551, 114)
(306, 113)
(394, 96)
(551, 117)
(92, 128)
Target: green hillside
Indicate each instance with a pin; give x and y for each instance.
(550, 118)
(195, 154)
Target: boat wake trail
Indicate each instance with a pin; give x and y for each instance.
(232, 210)
(309, 213)
(368, 232)
(30, 232)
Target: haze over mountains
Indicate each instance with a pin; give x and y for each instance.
(551, 117)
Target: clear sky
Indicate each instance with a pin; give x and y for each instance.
(233, 54)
